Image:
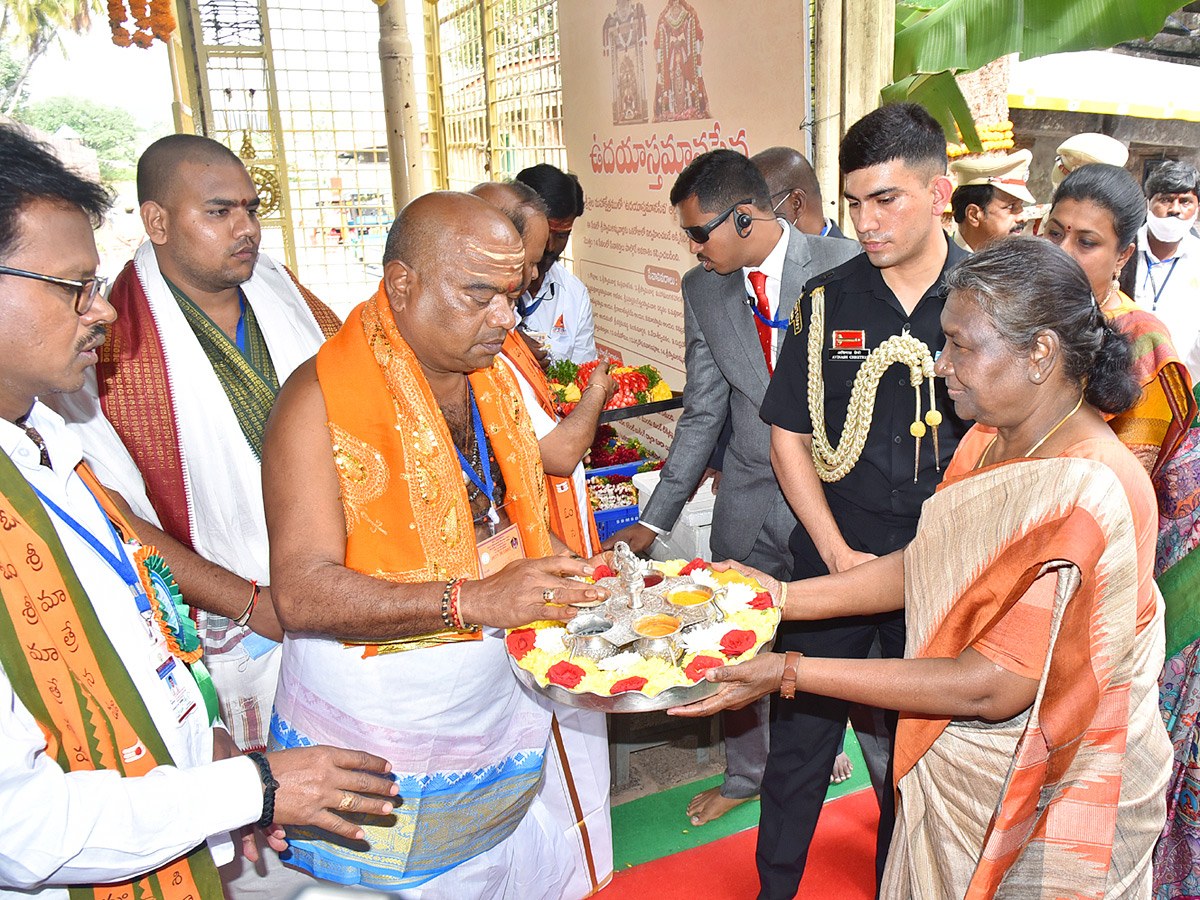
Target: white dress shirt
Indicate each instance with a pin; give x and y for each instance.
(62, 828)
(772, 267)
(1170, 288)
(565, 314)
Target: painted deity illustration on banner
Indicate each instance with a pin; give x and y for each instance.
(678, 39)
(625, 45)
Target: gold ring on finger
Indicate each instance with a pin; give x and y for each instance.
(347, 801)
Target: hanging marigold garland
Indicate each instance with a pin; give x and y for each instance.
(151, 19)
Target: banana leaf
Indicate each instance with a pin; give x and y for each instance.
(939, 93)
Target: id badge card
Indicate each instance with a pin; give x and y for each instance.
(499, 550)
(172, 678)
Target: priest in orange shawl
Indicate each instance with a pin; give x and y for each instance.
(1031, 760)
(407, 512)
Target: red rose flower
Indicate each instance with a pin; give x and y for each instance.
(520, 642)
(737, 642)
(762, 600)
(695, 564)
(635, 683)
(697, 667)
(603, 571)
(565, 673)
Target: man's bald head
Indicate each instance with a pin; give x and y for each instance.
(786, 169)
(518, 201)
(435, 225)
(158, 168)
(452, 272)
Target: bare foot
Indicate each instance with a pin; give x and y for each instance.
(709, 805)
(842, 767)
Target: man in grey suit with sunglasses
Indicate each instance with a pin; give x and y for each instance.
(736, 305)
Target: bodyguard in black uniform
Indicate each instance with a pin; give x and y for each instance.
(894, 164)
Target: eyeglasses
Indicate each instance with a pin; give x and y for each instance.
(86, 291)
(782, 195)
(700, 233)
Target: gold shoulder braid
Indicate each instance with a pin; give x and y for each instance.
(834, 464)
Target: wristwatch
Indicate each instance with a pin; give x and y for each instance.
(787, 686)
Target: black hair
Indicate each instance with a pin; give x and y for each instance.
(964, 195)
(158, 164)
(561, 190)
(1173, 177)
(30, 171)
(1028, 286)
(1112, 188)
(720, 178)
(904, 131)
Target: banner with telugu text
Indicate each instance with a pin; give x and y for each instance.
(647, 87)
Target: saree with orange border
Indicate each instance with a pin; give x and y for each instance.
(466, 741)
(1156, 425)
(1064, 800)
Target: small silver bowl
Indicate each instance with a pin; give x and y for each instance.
(660, 646)
(585, 637)
(708, 606)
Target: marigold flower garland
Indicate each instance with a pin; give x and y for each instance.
(151, 18)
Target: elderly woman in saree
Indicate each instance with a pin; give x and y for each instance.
(1095, 216)
(1031, 760)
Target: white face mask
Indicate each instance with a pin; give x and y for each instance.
(1169, 229)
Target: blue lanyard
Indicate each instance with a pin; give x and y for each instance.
(527, 311)
(770, 323)
(486, 485)
(240, 337)
(118, 561)
(825, 230)
(1150, 277)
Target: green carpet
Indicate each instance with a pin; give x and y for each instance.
(656, 826)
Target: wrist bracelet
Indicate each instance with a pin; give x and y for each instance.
(245, 616)
(787, 684)
(269, 785)
(447, 618)
(455, 614)
(782, 595)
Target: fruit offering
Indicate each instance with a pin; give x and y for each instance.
(635, 385)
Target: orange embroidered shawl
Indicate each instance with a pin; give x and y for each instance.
(403, 492)
(564, 499)
(66, 672)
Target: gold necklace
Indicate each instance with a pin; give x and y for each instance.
(834, 463)
(1045, 437)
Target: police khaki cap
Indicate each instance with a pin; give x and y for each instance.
(1088, 147)
(1007, 173)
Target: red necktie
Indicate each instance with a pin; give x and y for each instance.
(759, 282)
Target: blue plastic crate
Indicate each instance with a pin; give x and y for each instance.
(610, 521)
(629, 468)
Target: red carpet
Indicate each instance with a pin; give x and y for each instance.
(841, 863)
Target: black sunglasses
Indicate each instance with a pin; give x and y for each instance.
(86, 291)
(700, 233)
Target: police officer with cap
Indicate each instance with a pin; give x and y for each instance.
(990, 199)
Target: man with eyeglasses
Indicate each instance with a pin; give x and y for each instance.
(116, 779)
(557, 308)
(173, 416)
(1168, 256)
(795, 191)
(736, 304)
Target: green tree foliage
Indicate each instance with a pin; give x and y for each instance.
(937, 39)
(31, 27)
(109, 130)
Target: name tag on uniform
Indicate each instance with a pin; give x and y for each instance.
(171, 678)
(499, 550)
(848, 345)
